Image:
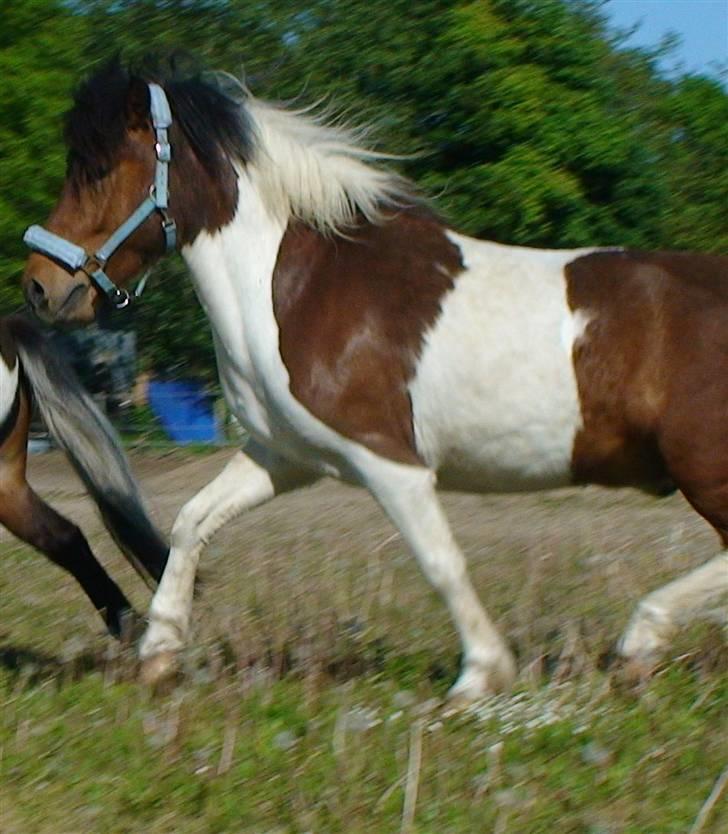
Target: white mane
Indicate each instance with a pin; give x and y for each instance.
(319, 173)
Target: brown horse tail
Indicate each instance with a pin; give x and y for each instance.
(93, 447)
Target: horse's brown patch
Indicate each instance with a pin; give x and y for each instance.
(8, 352)
(352, 313)
(651, 369)
(200, 200)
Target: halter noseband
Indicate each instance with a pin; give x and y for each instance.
(76, 258)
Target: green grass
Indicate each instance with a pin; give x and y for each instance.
(230, 750)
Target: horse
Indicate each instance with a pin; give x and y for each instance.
(358, 336)
(31, 372)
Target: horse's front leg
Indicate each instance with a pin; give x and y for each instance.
(251, 478)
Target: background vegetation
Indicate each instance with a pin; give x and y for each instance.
(530, 121)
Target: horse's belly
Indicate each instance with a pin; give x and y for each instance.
(494, 398)
(508, 465)
(501, 443)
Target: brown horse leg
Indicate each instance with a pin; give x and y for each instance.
(28, 517)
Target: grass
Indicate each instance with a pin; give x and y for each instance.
(246, 752)
(311, 699)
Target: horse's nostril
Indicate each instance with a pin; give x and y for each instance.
(36, 295)
(36, 292)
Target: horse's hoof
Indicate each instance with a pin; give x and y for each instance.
(632, 674)
(477, 682)
(629, 672)
(458, 702)
(159, 669)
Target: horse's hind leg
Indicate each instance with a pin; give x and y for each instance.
(29, 518)
(407, 494)
(661, 612)
(692, 450)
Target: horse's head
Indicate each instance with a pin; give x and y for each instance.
(123, 204)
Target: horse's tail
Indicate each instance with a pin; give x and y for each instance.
(92, 446)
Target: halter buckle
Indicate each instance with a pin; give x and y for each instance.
(121, 299)
(94, 263)
(169, 227)
(163, 151)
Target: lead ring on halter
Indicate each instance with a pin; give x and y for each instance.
(75, 258)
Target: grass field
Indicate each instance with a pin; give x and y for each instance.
(311, 699)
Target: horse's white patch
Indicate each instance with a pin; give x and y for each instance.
(494, 397)
(573, 328)
(8, 387)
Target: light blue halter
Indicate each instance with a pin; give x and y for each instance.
(75, 258)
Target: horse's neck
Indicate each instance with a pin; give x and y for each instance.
(232, 270)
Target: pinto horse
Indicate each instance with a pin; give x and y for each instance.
(358, 336)
(30, 371)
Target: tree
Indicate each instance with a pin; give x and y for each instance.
(514, 109)
(40, 60)
(694, 122)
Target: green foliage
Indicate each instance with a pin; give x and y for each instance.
(39, 64)
(175, 337)
(526, 121)
(695, 151)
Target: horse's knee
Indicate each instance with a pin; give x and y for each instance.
(185, 530)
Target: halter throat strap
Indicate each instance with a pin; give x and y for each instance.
(75, 258)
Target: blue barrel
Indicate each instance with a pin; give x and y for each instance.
(184, 409)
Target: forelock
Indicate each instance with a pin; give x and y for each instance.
(214, 121)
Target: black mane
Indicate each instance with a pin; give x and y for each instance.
(212, 120)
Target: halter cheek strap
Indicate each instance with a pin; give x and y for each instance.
(75, 258)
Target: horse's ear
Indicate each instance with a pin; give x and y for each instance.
(137, 104)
